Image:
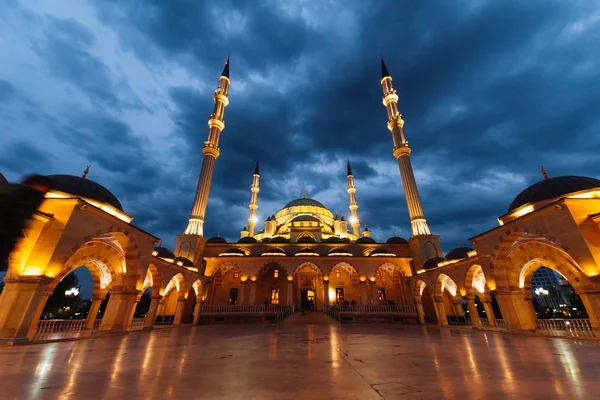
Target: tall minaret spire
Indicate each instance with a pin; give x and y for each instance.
(254, 201)
(216, 124)
(402, 153)
(354, 222)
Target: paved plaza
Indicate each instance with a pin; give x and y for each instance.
(294, 361)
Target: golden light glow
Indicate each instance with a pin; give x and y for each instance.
(244, 278)
(420, 271)
(372, 278)
(290, 278)
(253, 278)
(592, 194)
(32, 271)
(331, 295)
(326, 278)
(362, 278)
(155, 253)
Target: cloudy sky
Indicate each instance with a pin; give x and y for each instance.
(488, 90)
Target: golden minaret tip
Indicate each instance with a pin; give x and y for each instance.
(544, 173)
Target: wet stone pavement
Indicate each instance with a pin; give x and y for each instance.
(304, 362)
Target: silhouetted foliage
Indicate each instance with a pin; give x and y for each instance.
(59, 305)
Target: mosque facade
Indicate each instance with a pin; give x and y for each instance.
(303, 256)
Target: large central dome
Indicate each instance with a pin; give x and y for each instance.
(305, 201)
(553, 187)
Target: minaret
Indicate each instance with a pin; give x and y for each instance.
(216, 124)
(353, 205)
(423, 244)
(402, 153)
(254, 201)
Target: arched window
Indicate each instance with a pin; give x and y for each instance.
(236, 274)
(378, 274)
(276, 274)
(338, 273)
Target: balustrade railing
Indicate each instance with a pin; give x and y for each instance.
(335, 314)
(484, 321)
(137, 324)
(366, 308)
(500, 323)
(263, 308)
(55, 328)
(573, 327)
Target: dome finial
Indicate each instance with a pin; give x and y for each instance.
(304, 194)
(218, 234)
(86, 172)
(459, 245)
(544, 173)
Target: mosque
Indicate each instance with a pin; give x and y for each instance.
(303, 255)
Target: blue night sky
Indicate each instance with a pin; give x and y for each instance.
(488, 91)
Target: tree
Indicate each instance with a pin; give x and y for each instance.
(143, 306)
(61, 305)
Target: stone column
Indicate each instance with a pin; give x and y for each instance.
(290, 293)
(197, 310)
(93, 313)
(420, 311)
(179, 311)
(252, 300)
(489, 312)
(243, 294)
(363, 293)
(517, 311)
(374, 299)
(21, 305)
(118, 311)
(473, 314)
(326, 301)
(135, 304)
(458, 310)
(440, 310)
(591, 301)
(152, 311)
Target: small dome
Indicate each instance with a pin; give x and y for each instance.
(339, 251)
(81, 187)
(432, 263)
(305, 201)
(307, 252)
(306, 239)
(233, 252)
(163, 252)
(216, 239)
(396, 240)
(247, 239)
(553, 187)
(365, 239)
(185, 261)
(279, 239)
(308, 218)
(266, 240)
(381, 253)
(333, 239)
(276, 251)
(458, 253)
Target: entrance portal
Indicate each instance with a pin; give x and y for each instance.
(308, 299)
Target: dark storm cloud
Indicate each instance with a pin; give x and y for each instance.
(488, 91)
(24, 158)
